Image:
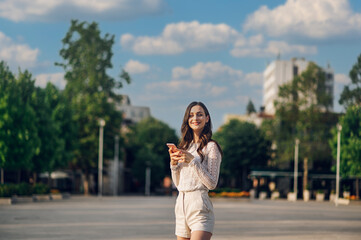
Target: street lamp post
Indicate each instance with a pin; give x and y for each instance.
(116, 165)
(147, 179)
(339, 128)
(100, 157)
(296, 168)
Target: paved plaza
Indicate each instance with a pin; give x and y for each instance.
(113, 218)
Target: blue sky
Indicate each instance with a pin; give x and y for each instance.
(180, 51)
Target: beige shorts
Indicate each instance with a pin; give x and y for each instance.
(194, 212)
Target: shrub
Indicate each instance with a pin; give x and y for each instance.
(40, 188)
(23, 189)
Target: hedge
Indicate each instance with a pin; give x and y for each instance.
(23, 189)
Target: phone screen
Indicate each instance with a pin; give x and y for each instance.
(171, 145)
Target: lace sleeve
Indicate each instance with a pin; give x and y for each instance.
(209, 174)
(175, 174)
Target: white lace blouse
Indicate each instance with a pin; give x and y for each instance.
(198, 175)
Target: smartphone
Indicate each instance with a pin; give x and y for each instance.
(171, 145)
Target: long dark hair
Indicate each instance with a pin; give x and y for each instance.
(187, 132)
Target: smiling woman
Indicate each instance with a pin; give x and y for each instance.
(195, 168)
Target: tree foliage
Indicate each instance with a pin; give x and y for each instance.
(56, 130)
(302, 111)
(91, 91)
(250, 107)
(351, 94)
(36, 125)
(147, 147)
(19, 140)
(350, 158)
(244, 147)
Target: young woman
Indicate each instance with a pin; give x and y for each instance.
(195, 169)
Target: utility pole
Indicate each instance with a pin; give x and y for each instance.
(339, 128)
(295, 181)
(100, 157)
(116, 165)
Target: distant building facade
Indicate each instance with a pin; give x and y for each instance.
(132, 114)
(118, 177)
(255, 118)
(280, 72)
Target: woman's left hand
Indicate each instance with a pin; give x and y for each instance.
(185, 156)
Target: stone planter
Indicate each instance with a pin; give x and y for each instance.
(332, 197)
(17, 199)
(343, 201)
(275, 195)
(320, 197)
(346, 194)
(262, 195)
(41, 197)
(56, 196)
(306, 195)
(5, 201)
(291, 196)
(252, 194)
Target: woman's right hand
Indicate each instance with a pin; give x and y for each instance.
(174, 155)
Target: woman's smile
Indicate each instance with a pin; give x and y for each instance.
(197, 118)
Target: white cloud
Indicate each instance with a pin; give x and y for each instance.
(254, 78)
(230, 102)
(175, 88)
(319, 19)
(180, 37)
(17, 55)
(136, 67)
(207, 79)
(342, 79)
(183, 88)
(209, 71)
(45, 10)
(151, 45)
(55, 78)
(256, 48)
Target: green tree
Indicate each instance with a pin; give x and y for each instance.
(350, 158)
(56, 131)
(267, 128)
(62, 115)
(19, 140)
(147, 147)
(48, 131)
(351, 94)
(91, 91)
(244, 147)
(302, 111)
(250, 107)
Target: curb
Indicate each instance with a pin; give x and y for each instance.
(34, 198)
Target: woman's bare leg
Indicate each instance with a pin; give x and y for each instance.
(182, 238)
(201, 235)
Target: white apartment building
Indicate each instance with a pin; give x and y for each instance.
(279, 72)
(132, 114)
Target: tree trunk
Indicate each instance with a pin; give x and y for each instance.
(49, 180)
(357, 188)
(2, 176)
(305, 173)
(244, 179)
(19, 176)
(86, 183)
(35, 178)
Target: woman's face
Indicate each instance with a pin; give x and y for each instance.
(197, 118)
